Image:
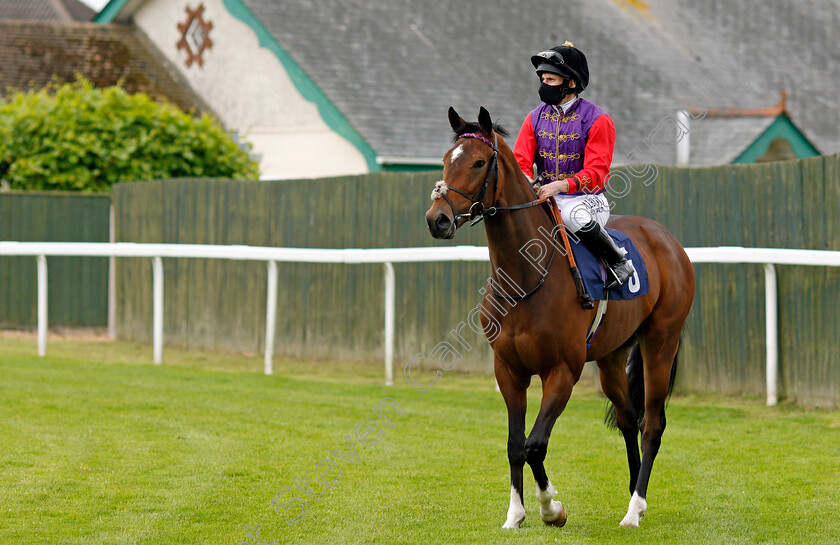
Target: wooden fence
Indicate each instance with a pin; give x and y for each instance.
(78, 286)
(335, 311)
(324, 311)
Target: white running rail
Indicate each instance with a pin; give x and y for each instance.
(768, 257)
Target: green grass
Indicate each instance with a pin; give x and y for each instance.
(100, 446)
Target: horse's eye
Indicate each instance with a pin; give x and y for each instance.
(478, 164)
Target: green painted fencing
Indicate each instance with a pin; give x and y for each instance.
(324, 311)
(336, 311)
(78, 286)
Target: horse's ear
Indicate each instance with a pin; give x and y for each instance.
(484, 121)
(455, 120)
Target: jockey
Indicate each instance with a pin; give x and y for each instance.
(571, 140)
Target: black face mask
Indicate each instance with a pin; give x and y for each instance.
(554, 94)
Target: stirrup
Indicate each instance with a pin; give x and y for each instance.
(617, 281)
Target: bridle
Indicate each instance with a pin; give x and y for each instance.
(478, 212)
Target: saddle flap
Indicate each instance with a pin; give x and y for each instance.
(591, 269)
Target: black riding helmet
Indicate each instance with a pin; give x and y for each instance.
(565, 60)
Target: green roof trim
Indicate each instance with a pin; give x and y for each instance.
(304, 84)
(782, 127)
(110, 11)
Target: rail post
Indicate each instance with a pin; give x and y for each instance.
(157, 328)
(389, 324)
(270, 316)
(42, 305)
(771, 312)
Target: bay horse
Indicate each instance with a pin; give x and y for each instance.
(543, 332)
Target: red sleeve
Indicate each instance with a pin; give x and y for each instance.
(597, 157)
(526, 147)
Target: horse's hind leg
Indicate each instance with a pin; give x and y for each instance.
(514, 390)
(557, 388)
(659, 351)
(615, 387)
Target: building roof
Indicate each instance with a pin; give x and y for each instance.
(738, 134)
(79, 11)
(393, 68)
(46, 10)
(33, 53)
(717, 141)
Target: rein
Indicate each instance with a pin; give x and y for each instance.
(533, 290)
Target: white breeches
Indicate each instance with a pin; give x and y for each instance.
(578, 210)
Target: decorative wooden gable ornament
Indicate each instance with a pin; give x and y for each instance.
(195, 35)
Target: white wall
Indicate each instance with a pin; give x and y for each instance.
(249, 90)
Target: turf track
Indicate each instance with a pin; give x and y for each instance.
(99, 446)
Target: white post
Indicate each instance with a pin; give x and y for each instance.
(157, 311)
(389, 324)
(270, 316)
(683, 138)
(112, 281)
(42, 305)
(772, 332)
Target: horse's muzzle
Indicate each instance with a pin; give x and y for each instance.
(440, 224)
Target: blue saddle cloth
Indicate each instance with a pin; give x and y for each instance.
(594, 274)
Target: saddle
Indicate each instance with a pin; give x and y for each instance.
(590, 273)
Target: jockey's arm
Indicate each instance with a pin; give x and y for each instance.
(597, 158)
(526, 148)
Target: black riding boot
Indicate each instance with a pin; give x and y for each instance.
(602, 245)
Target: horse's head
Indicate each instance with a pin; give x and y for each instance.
(469, 169)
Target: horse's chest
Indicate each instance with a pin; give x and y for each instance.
(532, 340)
(532, 348)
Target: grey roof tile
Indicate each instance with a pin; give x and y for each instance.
(393, 68)
(79, 11)
(34, 10)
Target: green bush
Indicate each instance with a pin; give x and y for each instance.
(76, 137)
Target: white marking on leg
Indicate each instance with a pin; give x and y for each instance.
(516, 511)
(549, 509)
(635, 511)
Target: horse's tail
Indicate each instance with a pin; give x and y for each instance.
(636, 384)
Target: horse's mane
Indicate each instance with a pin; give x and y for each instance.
(475, 127)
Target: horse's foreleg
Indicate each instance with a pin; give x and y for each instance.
(658, 353)
(557, 388)
(615, 387)
(514, 391)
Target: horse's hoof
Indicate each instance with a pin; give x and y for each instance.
(560, 521)
(629, 522)
(514, 524)
(635, 512)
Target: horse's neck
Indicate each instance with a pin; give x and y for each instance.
(520, 241)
